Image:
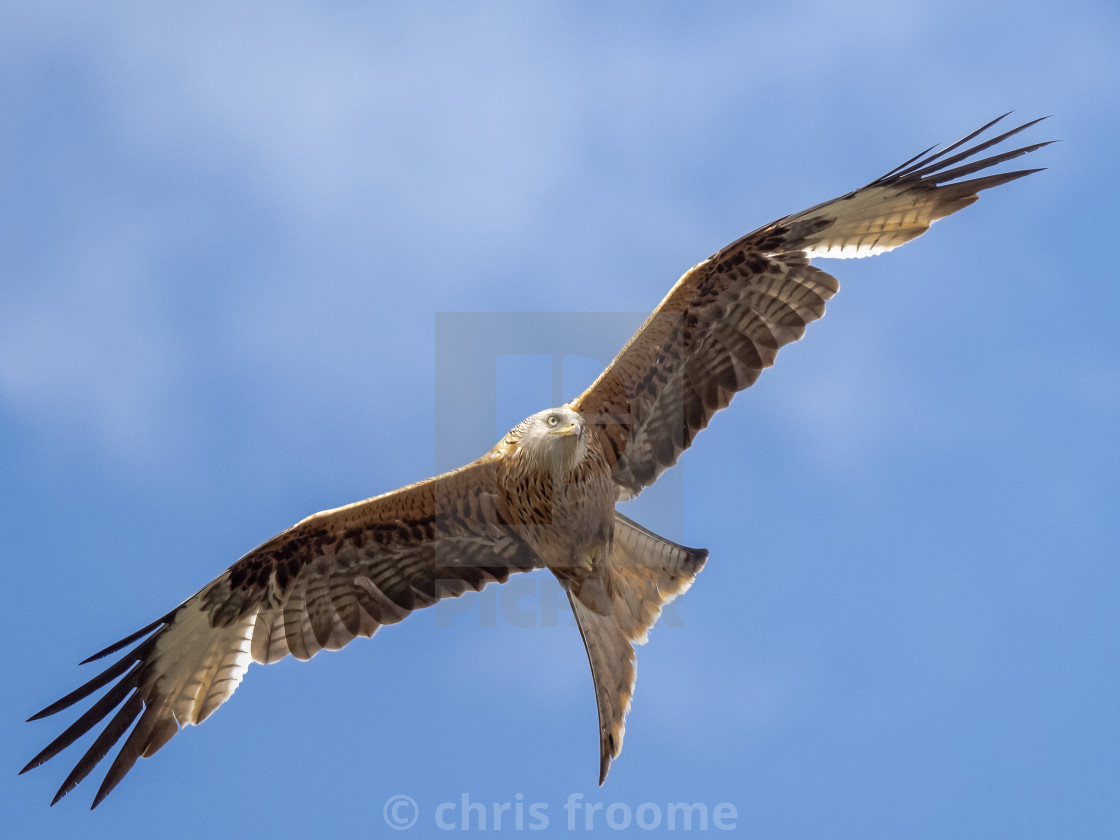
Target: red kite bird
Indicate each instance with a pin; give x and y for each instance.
(543, 497)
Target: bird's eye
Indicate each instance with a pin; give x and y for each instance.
(553, 420)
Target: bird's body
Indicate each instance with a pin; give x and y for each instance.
(543, 497)
(555, 484)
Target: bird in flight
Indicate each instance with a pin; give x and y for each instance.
(543, 497)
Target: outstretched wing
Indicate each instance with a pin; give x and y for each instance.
(336, 575)
(726, 318)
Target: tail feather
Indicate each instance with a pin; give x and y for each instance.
(615, 607)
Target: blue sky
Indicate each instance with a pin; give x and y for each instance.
(228, 236)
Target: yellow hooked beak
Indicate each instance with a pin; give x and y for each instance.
(572, 427)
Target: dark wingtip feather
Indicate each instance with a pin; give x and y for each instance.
(934, 168)
(129, 639)
(134, 746)
(906, 163)
(921, 159)
(938, 175)
(92, 717)
(86, 689)
(124, 677)
(101, 745)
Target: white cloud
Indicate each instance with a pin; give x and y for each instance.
(354, 172)
(88, 337)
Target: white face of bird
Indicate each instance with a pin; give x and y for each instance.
(554, 438)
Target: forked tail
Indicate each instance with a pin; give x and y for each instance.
(615, 607)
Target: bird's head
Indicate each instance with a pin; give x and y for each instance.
(554, 439)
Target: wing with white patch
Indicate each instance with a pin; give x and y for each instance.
(334, 576)
(724, 321)
(902, 204)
